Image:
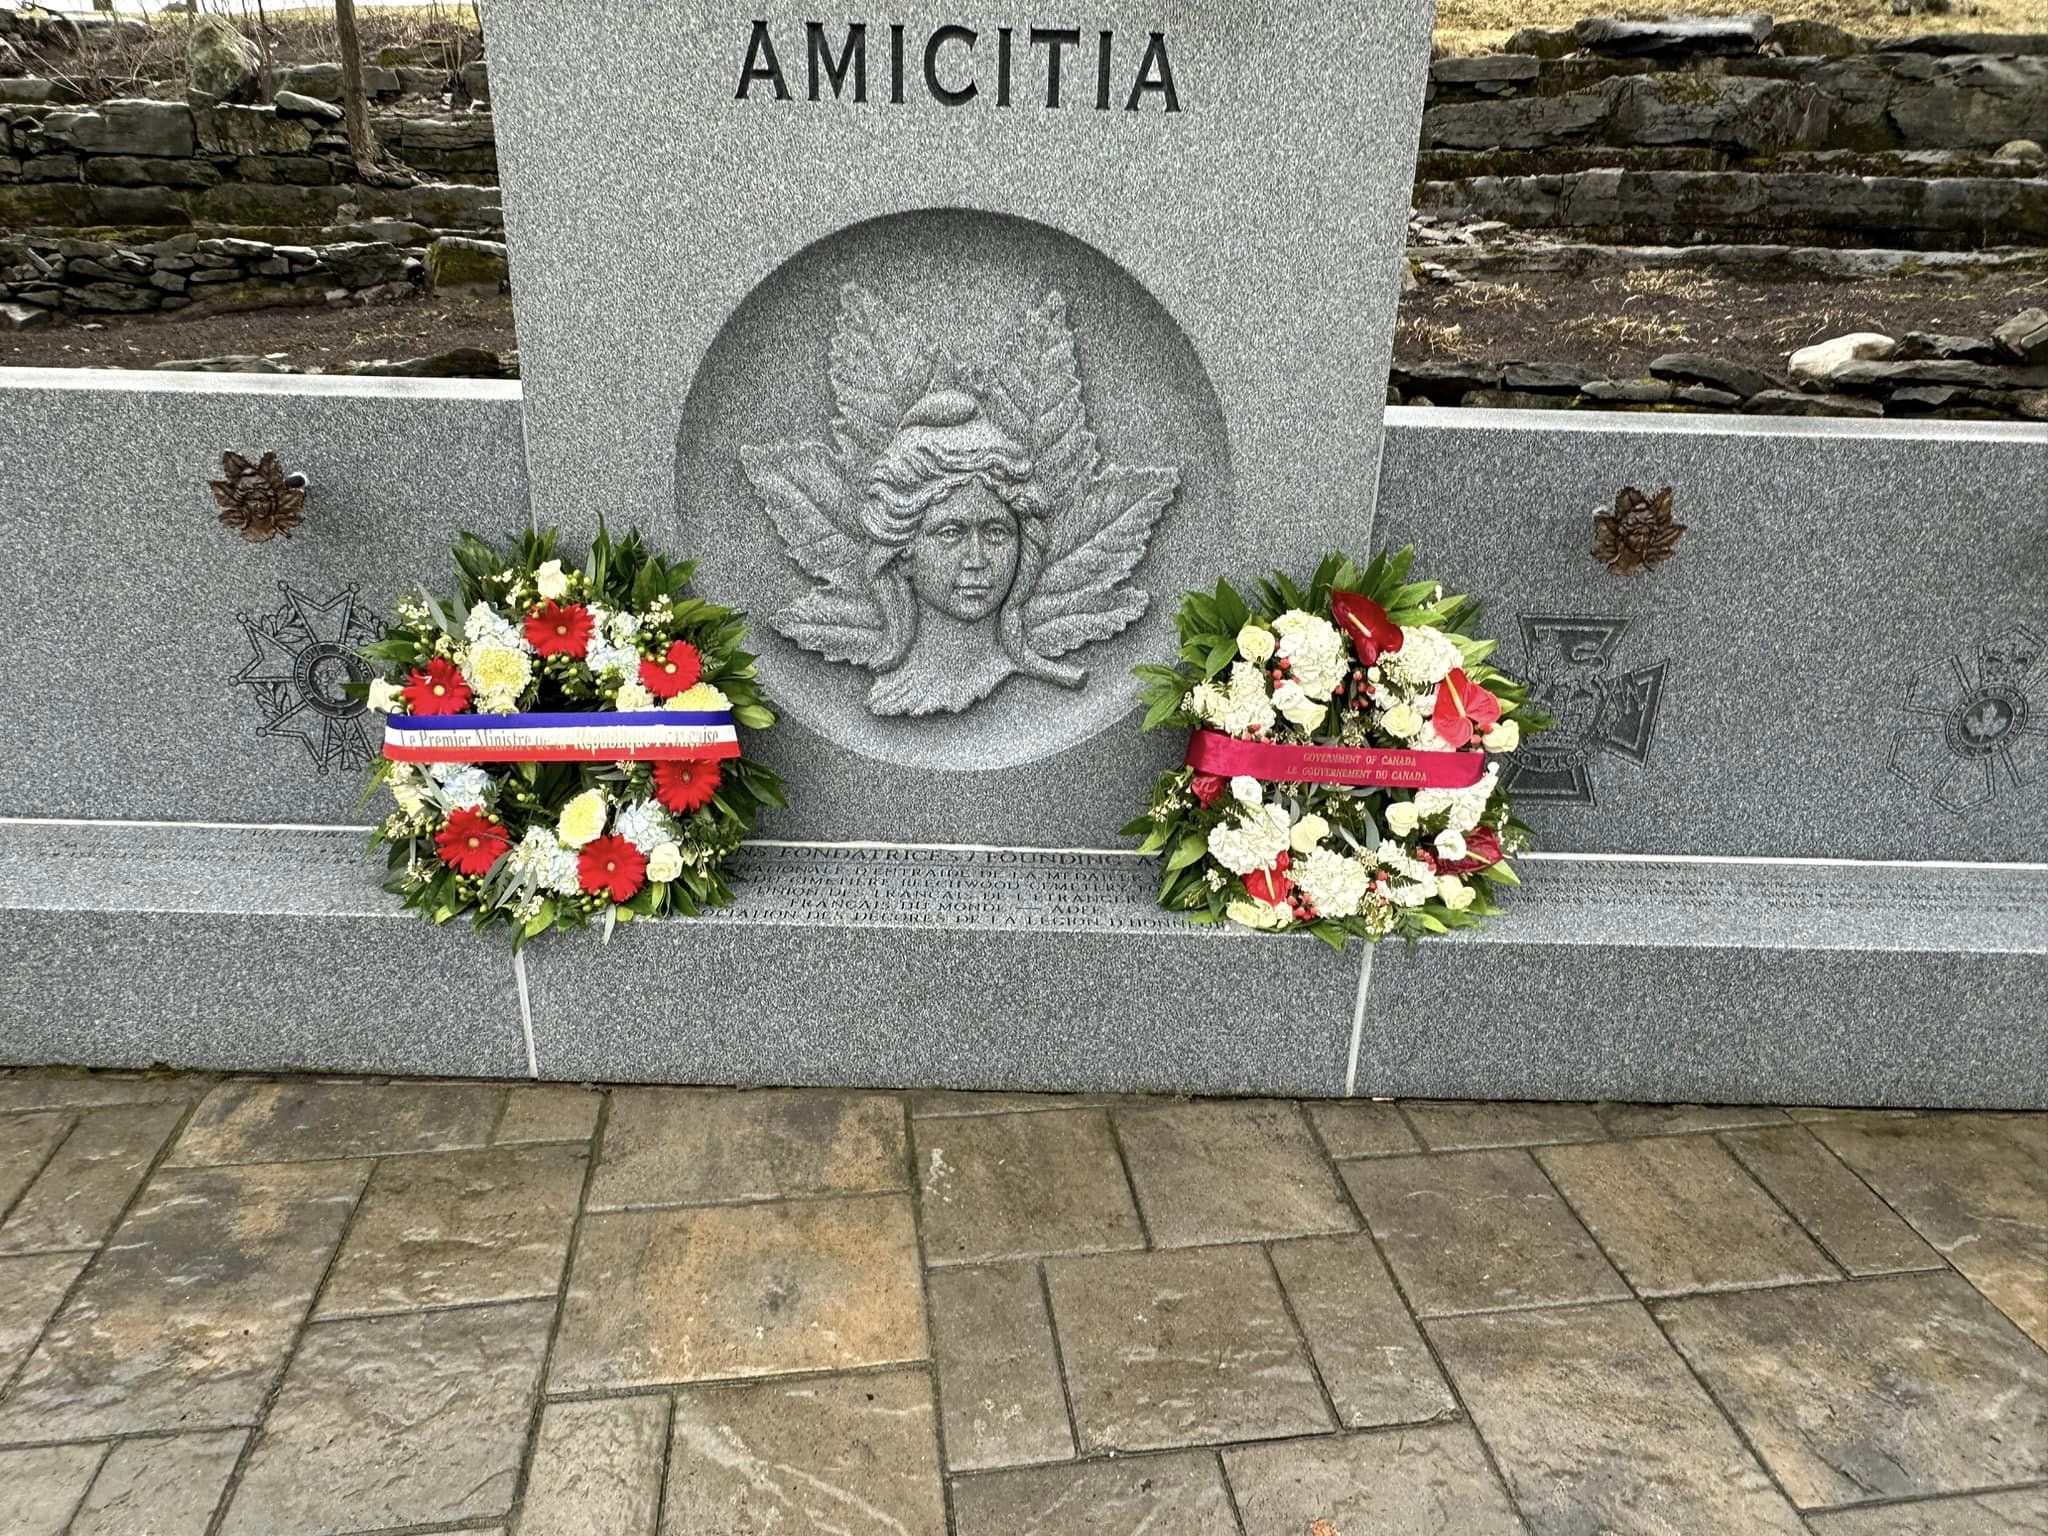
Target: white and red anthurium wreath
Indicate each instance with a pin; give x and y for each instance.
(1339, 774)
(563, 743)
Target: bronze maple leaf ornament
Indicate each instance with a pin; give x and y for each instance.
(259, 501)
(1639, 532)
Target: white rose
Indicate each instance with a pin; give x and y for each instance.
(549, 581)
(665, 862)
(1402, 721)
(1258, 914)
(1255, 643)
(410, 796)
(1308, 832)
(1402, 817)
(1245, 790)
(1450, 845)
(1453, 892)
(632, 696)
(1504, 737)
(385, 697)
(1292, 700)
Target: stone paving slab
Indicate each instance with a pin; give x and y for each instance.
(1890, 1388)
(851, 1454)
(1598, 1426)
(670, 1296)
(391, 1421)
(1427, 1479)
(533, 1309)
(1181, 1348)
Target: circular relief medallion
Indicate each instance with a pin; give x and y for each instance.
(948, 460)
(1986, 720)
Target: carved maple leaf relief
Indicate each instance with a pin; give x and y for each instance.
(960, 526)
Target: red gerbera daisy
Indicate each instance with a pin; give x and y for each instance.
(439, 690)
(558, 629)
(471, 842)
(611, 866)
(675, 673)
(685, 786)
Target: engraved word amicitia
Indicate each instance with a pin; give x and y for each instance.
(957, 62)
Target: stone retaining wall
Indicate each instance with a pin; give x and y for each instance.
(153, 163)
(85, 279)
(1759, 104)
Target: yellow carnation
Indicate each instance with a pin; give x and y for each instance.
(582, 818)
(702, 697)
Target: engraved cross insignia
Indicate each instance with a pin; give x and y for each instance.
(960, 526)
(1968, 732)
(1570, 665)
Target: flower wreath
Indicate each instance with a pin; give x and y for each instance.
(1337, 776)
(561, 743)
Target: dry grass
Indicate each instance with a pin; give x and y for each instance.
(1664, 283)
(1616, 334)
(1481, 295)
(1472, 26)
(1419, 336)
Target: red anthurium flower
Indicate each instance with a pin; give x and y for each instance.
(1461, 707)
(1373, 633)
(558, 629)
(1482, 848)
(440, 690)
(685, 786)
(1271, 885)
(471, 842)
(677, 672)
(611, 866)
(1207, 788)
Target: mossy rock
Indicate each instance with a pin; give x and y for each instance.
(220, 61)
(457, 265)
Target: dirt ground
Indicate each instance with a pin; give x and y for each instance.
(311, 338)
(1466, 26)
(1615, 324)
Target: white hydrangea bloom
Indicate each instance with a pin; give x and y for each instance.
(1336, 883)
(1413, 881)
(1254, 844)
(1245, 790)
(1241, 707)
(645, 825)
(465, 789)
(1425, 659)
(1465, 806)
(632, 696)
(486, 626)
(1315, 652)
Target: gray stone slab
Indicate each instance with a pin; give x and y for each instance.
(1846, 657)
(1201, 253)
(1427, 1479)
(161, 727)
(1000, 1399)
(31, 1288)
(1021, 1186)
(1229, 1173)
(597, 1467)
(1182, 1492)
(1902, 1386)
(89, 1182)
(1367, 1349)
(168, 1487)
(351, 1443)
(855, 1454)
(1727, 983)
(185, 945)
(957, 969)
(1841, 1213)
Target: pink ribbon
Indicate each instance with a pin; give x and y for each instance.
(1274, 762)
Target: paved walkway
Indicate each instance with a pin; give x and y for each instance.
(268, 1308)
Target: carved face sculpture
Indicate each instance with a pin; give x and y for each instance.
(963, 560)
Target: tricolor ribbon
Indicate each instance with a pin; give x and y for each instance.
(659, 735)
(1273, 762)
